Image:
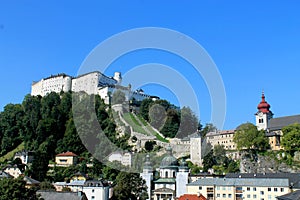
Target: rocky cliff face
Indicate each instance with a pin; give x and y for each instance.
(254, 163)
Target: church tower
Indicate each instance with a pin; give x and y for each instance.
(263, 115)
(147, 175)
(182, 178)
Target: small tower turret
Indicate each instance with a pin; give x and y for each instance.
(147, 174)
(264, 114)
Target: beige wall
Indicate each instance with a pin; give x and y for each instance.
(13, 171)
(65, 160)
(224, 192)
(224, 138)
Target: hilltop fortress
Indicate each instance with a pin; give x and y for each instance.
(91, 83)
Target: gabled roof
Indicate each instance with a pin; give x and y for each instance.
(280, 122)
(165, 180)
(290, 196)
(293, 178)
(96, 183)
(76, 183)
(5, 175)
(51, 195)
(30, 181)
(192, 197)
(238, 182)
(69, 153)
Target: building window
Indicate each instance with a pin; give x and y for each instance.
(281, 189)
(262, 192)
(93, 190)
(269, 197)
(275, 189)
(254, 196)
(166, 174)
(248, 196)
(269, 189)
(248, 188)
(218, 195)
(218, 187)
(224, 195)
(261, 121)
(93, 197)
(254, 189)
(200, 187)
(229, 195)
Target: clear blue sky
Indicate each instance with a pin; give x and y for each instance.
(255, 45)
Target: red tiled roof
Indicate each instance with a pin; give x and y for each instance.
(67, 154)
(192, 197)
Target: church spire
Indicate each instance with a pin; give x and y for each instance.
(263, 106)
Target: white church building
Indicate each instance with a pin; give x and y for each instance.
(172, 178)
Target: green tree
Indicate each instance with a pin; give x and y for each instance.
(130, 186)
(71, 140)
(157, 115)
(39, 166)
(291, 137)
(209, 127)
(32, 108)
(189, 123)
(45, 185)
(209, 161)
(118, 97)
(14, 189)
(149, 145)
(220, 154)
(171, 125)
(11, 127)
(248, 137)
(144, 108)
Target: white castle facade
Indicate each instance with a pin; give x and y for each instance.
(90, 83)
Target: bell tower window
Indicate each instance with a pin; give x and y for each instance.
(261, 121)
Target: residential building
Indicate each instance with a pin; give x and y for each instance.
(25, 156)
(245, 186)
(66, 159)
(78, 177)
(125, 158)
(224, 138)
(97, 190)
(273, 126)
(14, 170)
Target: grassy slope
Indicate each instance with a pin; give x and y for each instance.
(11, 154)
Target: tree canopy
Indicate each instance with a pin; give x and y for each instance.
(14, 189)
(248, 137)
(130, 186)
(291, 137)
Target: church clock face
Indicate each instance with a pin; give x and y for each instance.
(260, 114)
